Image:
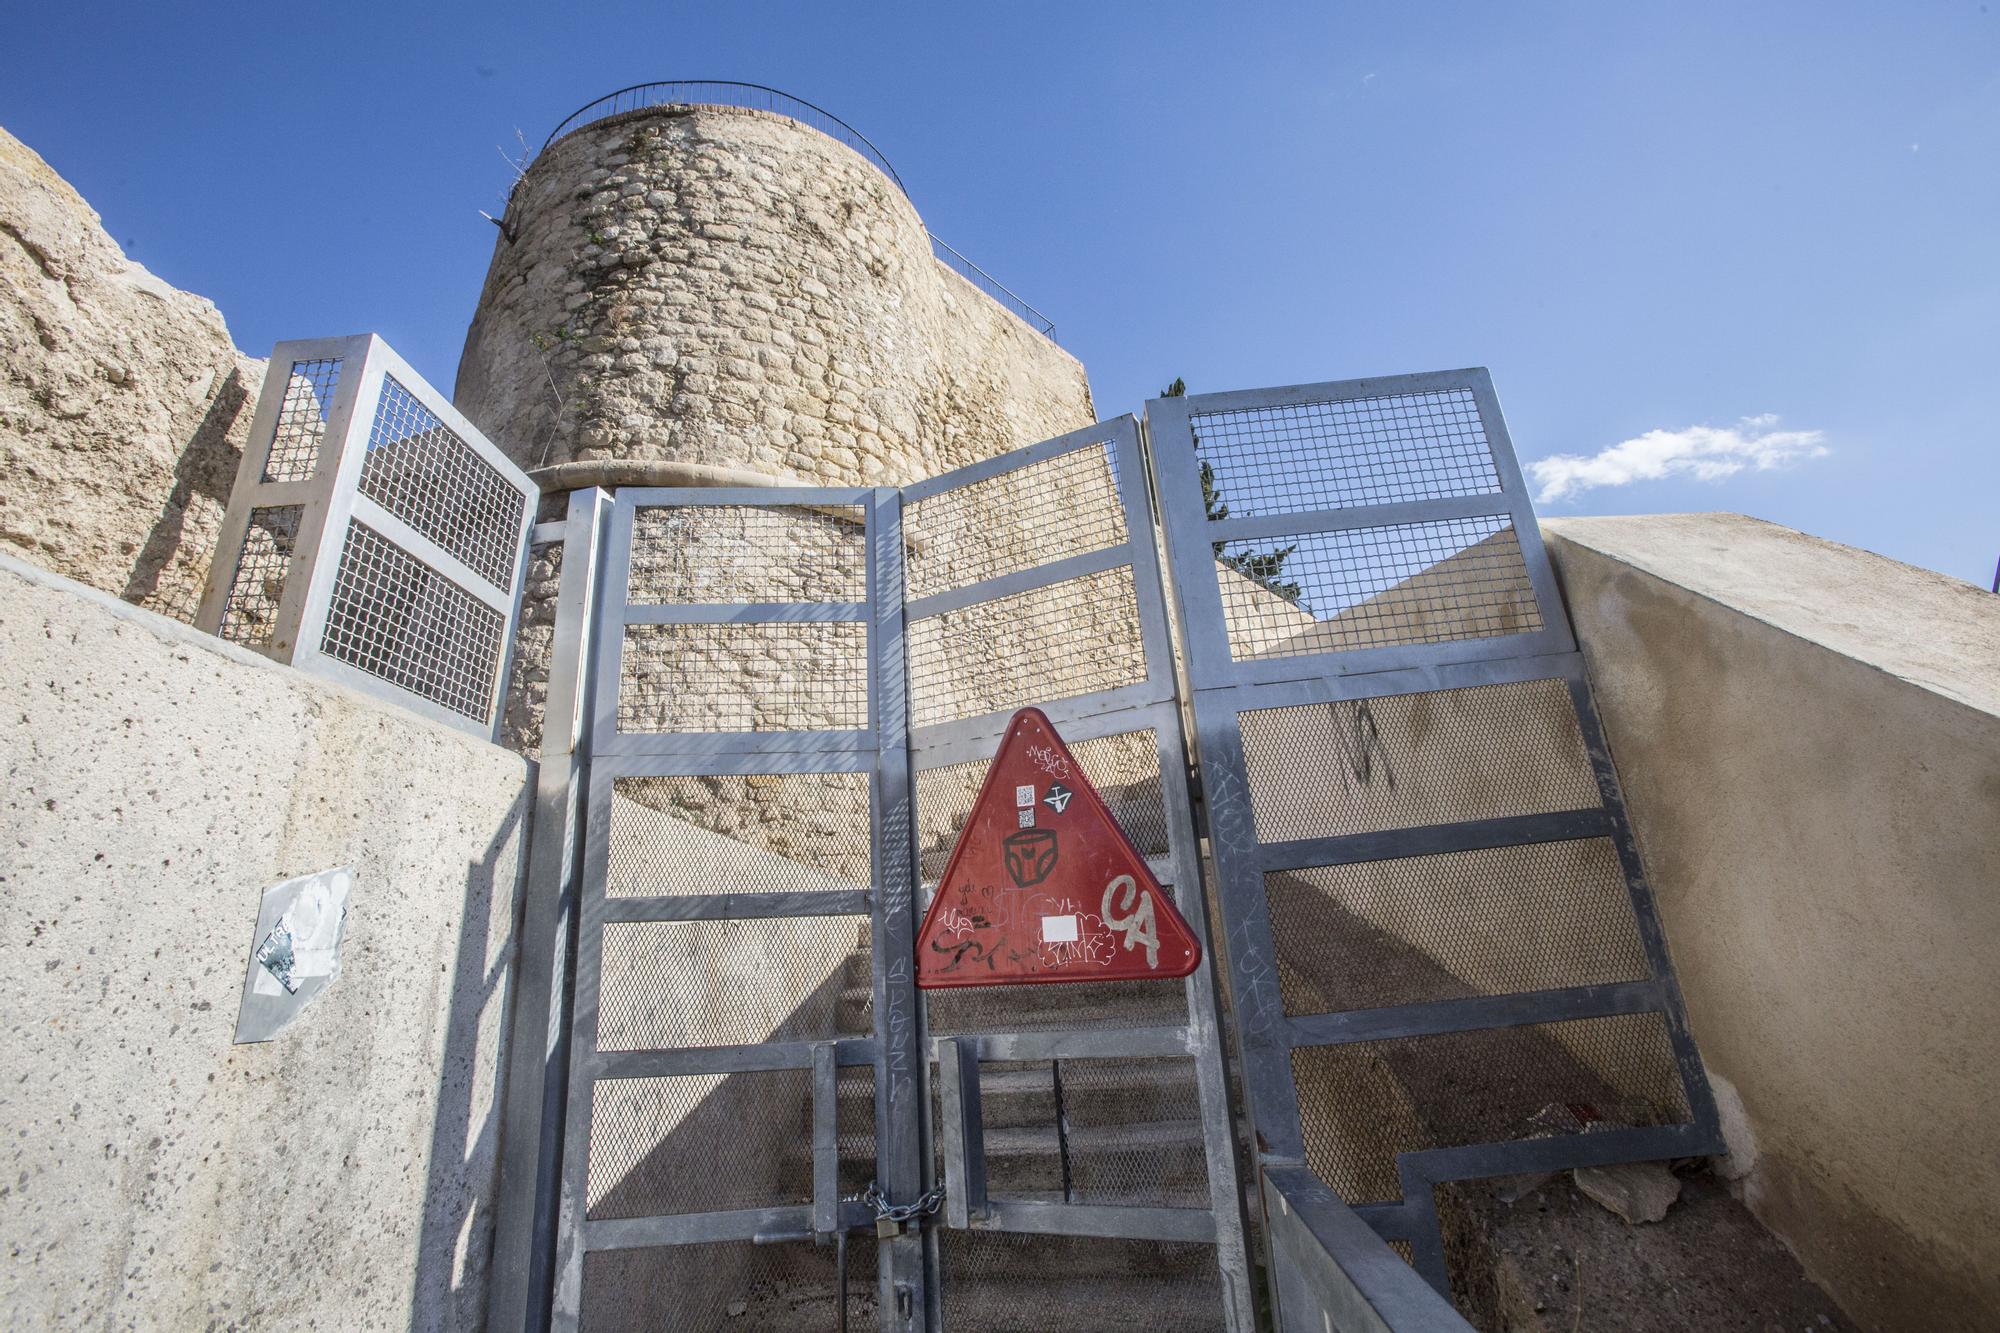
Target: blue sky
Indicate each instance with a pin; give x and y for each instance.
(1759, 237)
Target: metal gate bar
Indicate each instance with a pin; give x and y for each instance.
(738, 747)
(531, 1124)
(1073, 621)
(1412, 580)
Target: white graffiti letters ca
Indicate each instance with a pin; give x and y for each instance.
(1128, 909)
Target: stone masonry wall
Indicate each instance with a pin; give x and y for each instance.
(727, 287)
(123, 402)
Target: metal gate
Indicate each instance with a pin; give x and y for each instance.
(1444, 958)
(744, 1055)
(748, 1053)
(1083, 1130)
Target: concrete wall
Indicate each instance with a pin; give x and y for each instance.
(156, 1176)
(1809, 737)
(123, 402)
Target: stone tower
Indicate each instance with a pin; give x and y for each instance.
(682, 294)
(689, 295)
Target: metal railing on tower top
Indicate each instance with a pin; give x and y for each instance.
(757, 97)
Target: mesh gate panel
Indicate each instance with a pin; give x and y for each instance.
(733, 833)
(748, 553)
(1125, 770)
(1124, 1132)
(1380, 658)
(673, 984)
(1409, 583)
(996, 1282)
(1483, 922)
(1364, 1102)
(1080, 1004)
(761, 676)
(270, 541)
(295, 448)
(395, 617)
(1055, 642)
(729, 1006)
(1346, 452)
(699, 1288)
(1407, 760)
(696, 1143)
(1035, 515)
(418, 469)
(1134, 1132)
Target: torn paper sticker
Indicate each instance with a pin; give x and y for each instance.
(297, 951)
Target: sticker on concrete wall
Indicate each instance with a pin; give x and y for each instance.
(295, 955)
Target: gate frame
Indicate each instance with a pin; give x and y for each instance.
(1220, 687)
(880, 751)
(1152, 703)
(531, 1134)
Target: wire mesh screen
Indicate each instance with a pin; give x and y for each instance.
(756, 676)
(755, 833)
(1422, 928)
(732, 1286)
(395, 617)
(656, 1144)
(997, 1282)
(674, 984)
(1343, 453)
(1035, 515)
(1056, 642)
(269, 543)
(1133, 1132)
(1409, 760)
(422, 472)
(1407, 583)
(748, 553)
(1123, 1132)
(301, 429)
(854, 1128)
(1124, 769)
(1363, 1103)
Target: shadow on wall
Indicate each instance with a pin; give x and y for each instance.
(205, 470)
(455, 1246)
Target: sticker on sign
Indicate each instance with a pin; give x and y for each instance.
(1059, 929)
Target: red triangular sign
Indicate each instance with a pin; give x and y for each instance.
(1043, 884)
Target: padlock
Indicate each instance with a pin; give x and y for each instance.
(887, 1228)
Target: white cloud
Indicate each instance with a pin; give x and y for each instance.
(1706, 453)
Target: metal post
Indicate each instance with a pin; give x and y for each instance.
(964, 1132)
(531, 1133)
(900, 1083)
(826, 1143)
